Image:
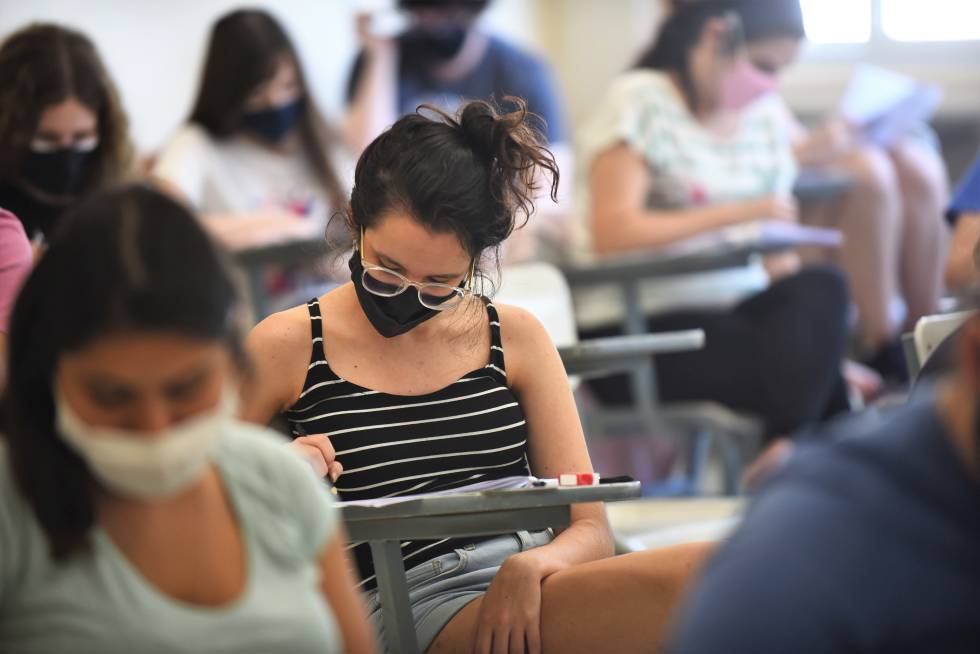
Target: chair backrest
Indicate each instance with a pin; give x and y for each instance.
(541, 289)
(930, 331)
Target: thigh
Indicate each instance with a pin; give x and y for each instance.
(621, 604)
(920, 168)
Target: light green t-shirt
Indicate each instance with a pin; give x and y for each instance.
(98, 602)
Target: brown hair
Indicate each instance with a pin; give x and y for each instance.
(474, 174)
(245, 49)
(43, 65)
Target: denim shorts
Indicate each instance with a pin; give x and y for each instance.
(439, 588)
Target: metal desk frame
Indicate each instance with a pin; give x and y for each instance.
(456, 516)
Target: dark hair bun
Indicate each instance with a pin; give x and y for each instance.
(475, 174)
(513, 147)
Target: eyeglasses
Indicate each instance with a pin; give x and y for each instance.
(385, 282)
(42, 145)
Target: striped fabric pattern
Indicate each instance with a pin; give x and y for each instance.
(470, 431)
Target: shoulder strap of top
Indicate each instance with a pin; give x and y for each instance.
(316, 327)
(496, 344)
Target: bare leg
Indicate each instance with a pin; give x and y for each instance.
(621, 604)
(925, 237)
(870, 216)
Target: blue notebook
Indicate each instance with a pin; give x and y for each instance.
(966, 199)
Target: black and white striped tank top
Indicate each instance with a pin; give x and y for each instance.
(470, 431)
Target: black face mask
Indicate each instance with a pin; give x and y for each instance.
(59, 173)
(274, 123)
(390, 316)
(433, 46)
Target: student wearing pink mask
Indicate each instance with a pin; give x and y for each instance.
(692, 140)
(895, 238)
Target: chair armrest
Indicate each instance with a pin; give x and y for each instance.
(635, 267)
(622, 353)
(821, 185)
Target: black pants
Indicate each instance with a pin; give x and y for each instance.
(776, 355)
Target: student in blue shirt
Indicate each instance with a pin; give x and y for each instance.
(443, 59)
(868, 541)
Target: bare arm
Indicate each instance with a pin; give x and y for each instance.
(510, 612)
(556, 443)
(822, 146)
(961, 267)
(338, 583)
(621, 222)
(279, 349)
(374, 106)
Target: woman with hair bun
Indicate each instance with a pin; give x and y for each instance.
(409, 380)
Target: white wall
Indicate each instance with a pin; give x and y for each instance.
(590, 41)
(154, 48)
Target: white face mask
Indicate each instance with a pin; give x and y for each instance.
(147, 467)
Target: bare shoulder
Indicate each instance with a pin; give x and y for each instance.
(279, 347)
(284, 334)
(524, 337)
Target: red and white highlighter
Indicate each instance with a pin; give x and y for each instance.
(578, 479)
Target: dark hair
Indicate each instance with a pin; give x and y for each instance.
(765, 19)
(43, 65)
(130, 258)
(680, 33)
(472, 175)
(245, 50)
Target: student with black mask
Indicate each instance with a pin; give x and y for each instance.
(866, 541)
(63, 132)
(409, 380)
(443, 59)
(256, 157)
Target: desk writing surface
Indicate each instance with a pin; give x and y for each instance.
(730, 247)
(498, 500)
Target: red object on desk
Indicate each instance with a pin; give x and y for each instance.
(578, 479)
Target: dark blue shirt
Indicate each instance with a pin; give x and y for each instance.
(503, 70)
(866, 542)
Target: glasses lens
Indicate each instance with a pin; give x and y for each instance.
(439, 296)
(382, 282)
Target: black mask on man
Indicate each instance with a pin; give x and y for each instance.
(433, 46)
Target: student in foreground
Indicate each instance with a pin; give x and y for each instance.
(868, 542)
(409, 380)
(136, 513)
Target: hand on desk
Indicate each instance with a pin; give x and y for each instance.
(774, 207)
(319, 453)
(832, 140)
(782, 264)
